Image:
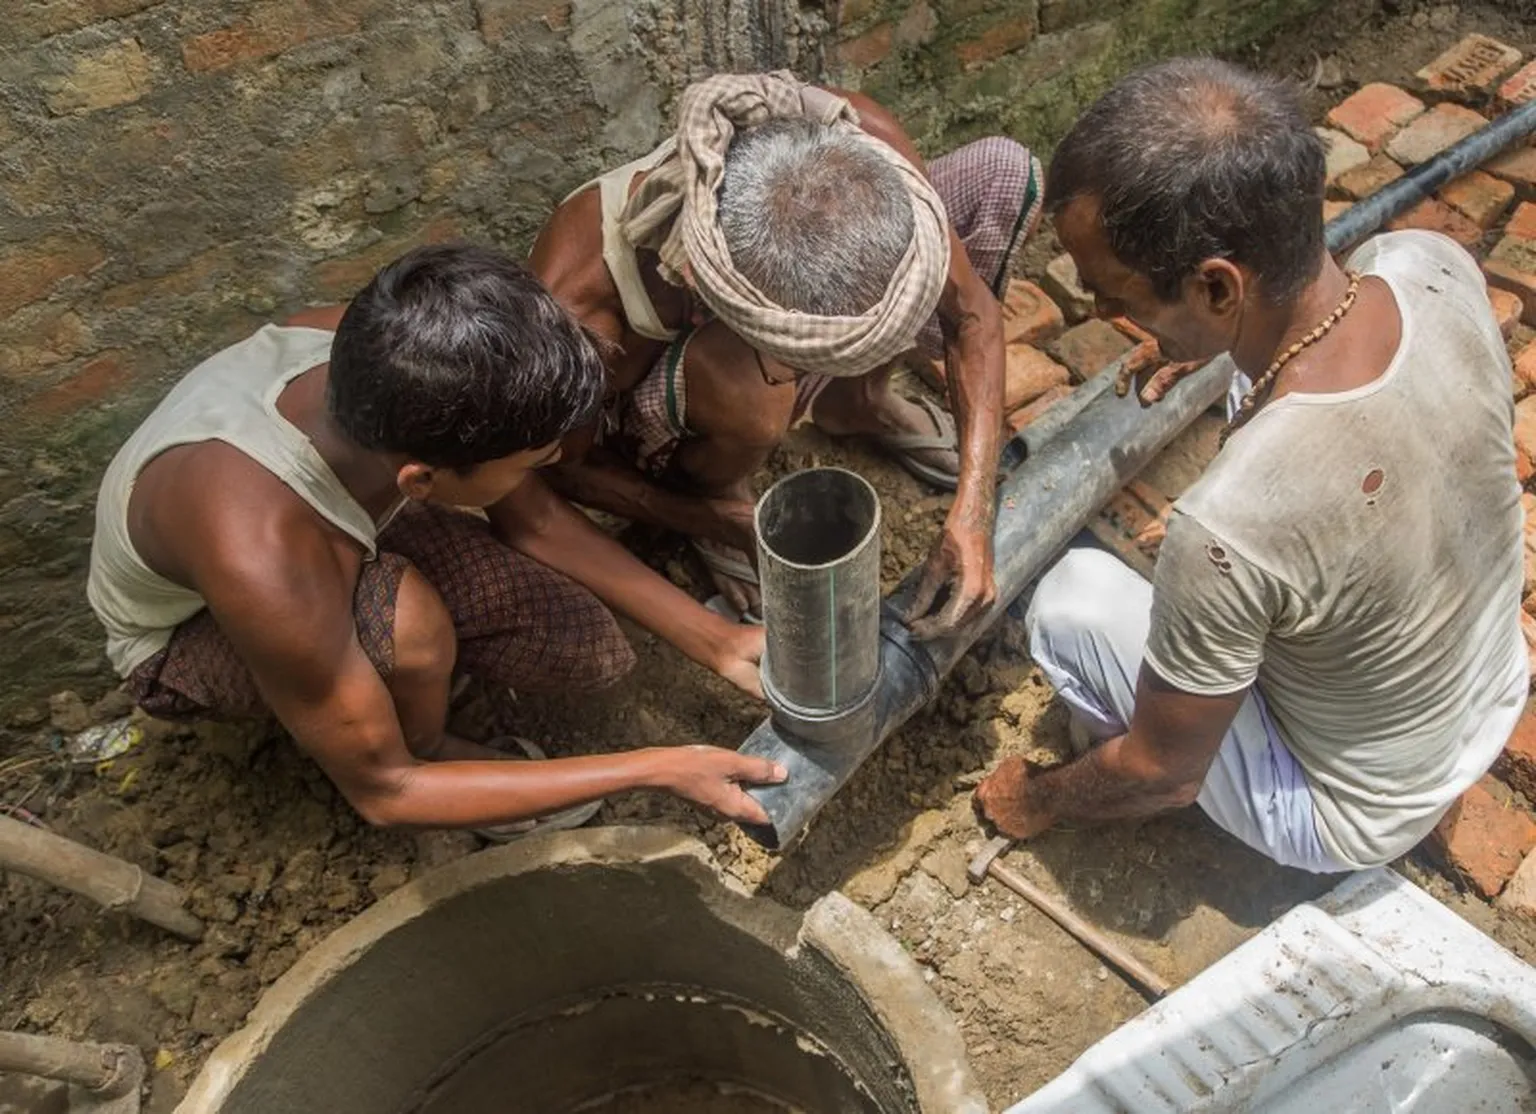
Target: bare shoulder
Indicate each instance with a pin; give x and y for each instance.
(727, 394)
(212, 519)
(567, 254)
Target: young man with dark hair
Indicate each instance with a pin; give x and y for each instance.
(1330, 652)
(283, 533)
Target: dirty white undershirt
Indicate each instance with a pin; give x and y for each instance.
(1382, 626)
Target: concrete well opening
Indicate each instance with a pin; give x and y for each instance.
(611, 971)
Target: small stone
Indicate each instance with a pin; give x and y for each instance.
(1439, 128)
(947, 866)
(387, 879)
(1007, 915)
(1519, 896)
(1344, 154)
(1061, 282)
(67, 713)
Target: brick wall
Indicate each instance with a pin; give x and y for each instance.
(959, 69)
(175, 172)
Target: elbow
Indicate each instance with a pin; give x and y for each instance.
(382, 801)
(1183, 793)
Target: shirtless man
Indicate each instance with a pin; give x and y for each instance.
(281, 534)
(1330, 653)
(772, 261)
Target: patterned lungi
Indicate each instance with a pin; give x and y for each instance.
(994, 192)
(519, 623)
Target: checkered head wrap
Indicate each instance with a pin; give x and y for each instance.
(674, 212)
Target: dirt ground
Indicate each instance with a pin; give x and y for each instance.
(274, 860)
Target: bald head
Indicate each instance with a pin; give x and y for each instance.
(1196, 159)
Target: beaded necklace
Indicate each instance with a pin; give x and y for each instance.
(1263, 384)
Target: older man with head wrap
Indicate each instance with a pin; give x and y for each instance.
(770, 262)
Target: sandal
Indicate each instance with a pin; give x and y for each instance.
(573, 817)
(903, 446)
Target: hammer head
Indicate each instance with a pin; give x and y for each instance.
(977, 870)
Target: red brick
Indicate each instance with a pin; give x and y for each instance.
(1473, 65)
(1482, 839)
(1512, 266)
(93, 382)
(32, 271)
(869, 49)
(1089, 348)
(1434, 215)
(273, 28)
(1029, 315)
(1507, 308)
(1521, 88)
(1528, 629)
(342, 278)
(1481, 197)
(1516, 765)
(1023, 417)
(1433, 132)
(1334, 209)
(1344, 154)
(1523, 223)
(996, 41)
(1366, 180)
(1030, 374)
(1517, 167)
(1374, 114)
(1066, 289)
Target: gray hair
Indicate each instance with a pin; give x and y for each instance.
(1196, 159)
(814, 217)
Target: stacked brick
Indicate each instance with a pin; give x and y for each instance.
(1486, 841)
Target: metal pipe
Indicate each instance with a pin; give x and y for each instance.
(1072, 464)
(1368, 215)
(818, 546)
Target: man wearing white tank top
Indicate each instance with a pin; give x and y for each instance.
(283, 535)
(1330, 653)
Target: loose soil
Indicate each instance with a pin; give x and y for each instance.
(274, 860)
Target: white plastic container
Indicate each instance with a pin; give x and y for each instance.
(1374, 999)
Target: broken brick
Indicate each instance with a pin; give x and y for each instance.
(1483, 838)
(1519, 896)
(1030, 374)
(1473, 65)
(1507, 309)
(1343, 153)
(1523, 224)
(1064, 287)
(1029, 315)
(1511, 266)
(1365, 180)
(1516, 764)
(1525, 427)
(1521, 88)
(1439, 128)
(1517, 167)
(1481, 197)
(1375, 113)
(1434, 215)
(1021, 418)
(1528, 631)
(1089, 348)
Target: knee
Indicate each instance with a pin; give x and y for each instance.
(1076, 600)
(424, 640)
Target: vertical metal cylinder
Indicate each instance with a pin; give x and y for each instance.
(818, 544)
